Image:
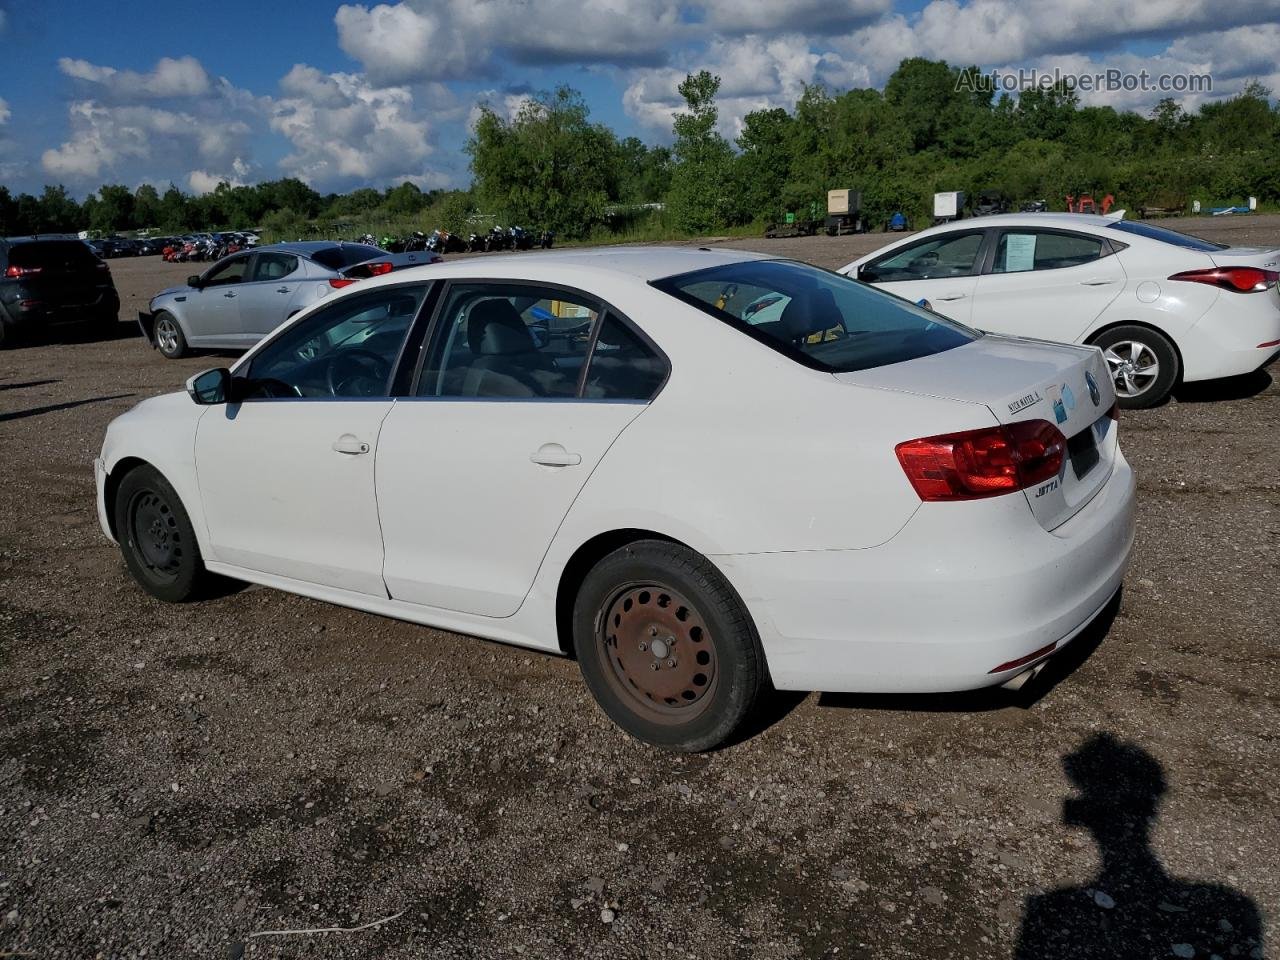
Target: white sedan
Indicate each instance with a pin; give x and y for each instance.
(699, 473)
(1164, 307)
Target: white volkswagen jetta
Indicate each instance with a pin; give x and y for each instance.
(595, 453)
(1163, 306)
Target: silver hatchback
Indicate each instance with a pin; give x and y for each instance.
(243, 297)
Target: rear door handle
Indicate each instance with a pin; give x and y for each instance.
(229, 293)
(1096, 282)
(350, 445)
(282, 289)
(554, 455)
(952, 296)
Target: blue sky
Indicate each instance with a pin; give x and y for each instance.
(372, 94)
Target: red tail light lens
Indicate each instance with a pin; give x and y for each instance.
(378, 269)
(1237, 279)
(339, 282)
(14, 271)
(983, 463)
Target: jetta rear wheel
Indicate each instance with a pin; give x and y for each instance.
(666, 646)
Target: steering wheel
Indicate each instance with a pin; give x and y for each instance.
(356, 372)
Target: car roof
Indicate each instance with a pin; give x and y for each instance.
(1064, 220)
(640, 262)
(307, 248)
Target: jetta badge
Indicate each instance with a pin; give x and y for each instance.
(1094, 394)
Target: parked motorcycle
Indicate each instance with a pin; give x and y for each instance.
(497, 239)
(1035, 206)
(475, 243)
(519, 239)
(546, 239)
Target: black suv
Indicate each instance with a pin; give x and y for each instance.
(47, 281)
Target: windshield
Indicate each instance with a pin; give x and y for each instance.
(346, 255)
(1165, 235)
(821, 319)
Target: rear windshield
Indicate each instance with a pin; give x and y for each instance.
(821, 319)
(1165, 235)
(49, 253)
(335, 258)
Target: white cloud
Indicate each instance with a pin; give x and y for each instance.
(202, 181)
(755, 73)
(430, 40)
(5, 113)
(183, 77)
(734, 16)
(118, 140)
(345, 130)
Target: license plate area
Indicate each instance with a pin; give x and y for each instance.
(1083, 451)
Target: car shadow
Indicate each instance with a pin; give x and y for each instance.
(26, 383)
(1055, 670)
(1133, 907)
(1228, 388)
(54, 407)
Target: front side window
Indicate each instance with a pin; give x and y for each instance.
(1021, 250)
(274, 266)
(823, 320)
(346, 350)
(229, 271)
(509, 341)
(946, 256)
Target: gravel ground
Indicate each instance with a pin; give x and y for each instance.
(175, 779)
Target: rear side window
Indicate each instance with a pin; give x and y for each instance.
(822, 320)
(1021, 250)
(1165, 235)
(622, 365)
(52, 253)
(349, 254)
(509, 341)
(274, 266)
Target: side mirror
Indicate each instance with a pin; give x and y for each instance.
(194, 281)
(210, 387)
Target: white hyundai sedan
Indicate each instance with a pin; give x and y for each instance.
(620, 456)
(1164, 307)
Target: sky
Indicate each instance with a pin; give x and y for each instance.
(351, 95)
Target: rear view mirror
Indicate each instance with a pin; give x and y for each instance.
(210, 387)
(194, 281)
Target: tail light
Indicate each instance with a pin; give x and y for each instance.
(378, 269)
(1237, 279)
(339, 282)
(1114, 412)
(983, 463)
(16, 271)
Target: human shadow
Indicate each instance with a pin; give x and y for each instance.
(1133, 908)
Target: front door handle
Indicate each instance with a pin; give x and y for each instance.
(348, 444)
(1096, 282)
(229, 293)
(282, 289)
(554, 455)
(952, 296)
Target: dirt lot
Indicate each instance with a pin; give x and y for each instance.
(175, 779)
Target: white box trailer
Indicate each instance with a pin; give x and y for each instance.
(948, 206)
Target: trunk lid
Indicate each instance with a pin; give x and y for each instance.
(1259, 257)
(1019, 379)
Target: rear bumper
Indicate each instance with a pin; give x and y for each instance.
(29, 312)
(962, 589)
(1226, 341)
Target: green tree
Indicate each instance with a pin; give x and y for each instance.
(59, 212)
(549, 167)
(765, 161)
(702, 188)
(114, 209)
(146, 206)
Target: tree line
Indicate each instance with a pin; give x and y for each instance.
(931, 129)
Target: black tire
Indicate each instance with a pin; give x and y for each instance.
(1131, 350)
(174, 346)
(156, 538)
(684, 617)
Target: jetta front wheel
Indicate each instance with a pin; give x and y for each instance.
(666, 646)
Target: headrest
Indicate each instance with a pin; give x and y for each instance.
(809, 312)
(495, 329)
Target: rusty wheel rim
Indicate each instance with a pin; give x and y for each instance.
(659, 651)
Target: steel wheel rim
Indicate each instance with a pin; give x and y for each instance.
(658, 653)
(1134, 366)
(157, 540)
(166, 335)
